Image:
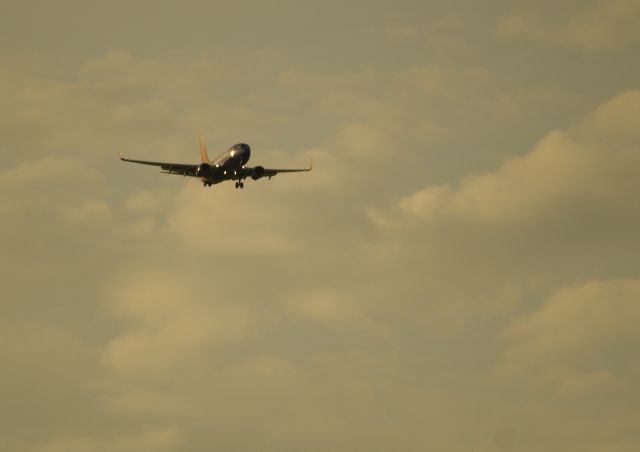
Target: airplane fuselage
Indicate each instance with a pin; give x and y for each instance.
(227, 166)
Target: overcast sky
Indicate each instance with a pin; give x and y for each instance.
(459, 272)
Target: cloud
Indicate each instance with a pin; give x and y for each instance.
(28, 349)
(606, 25)
(570, 340)
(33, 183)
(594, 164)
(46, 371)
(90, 211)
(223, 226)
(163, 439)
(264, 369)
(119, 101)
(341, 308)
(187, 317)
(482, 247)
(170, 321)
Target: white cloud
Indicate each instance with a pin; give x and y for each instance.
(595, 163)
(481, 248)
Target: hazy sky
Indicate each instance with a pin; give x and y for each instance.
(460, 272)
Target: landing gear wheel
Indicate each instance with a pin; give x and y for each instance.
(241, 184)
(237, 184)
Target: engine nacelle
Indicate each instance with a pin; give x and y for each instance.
(204, 169)
(258, 172)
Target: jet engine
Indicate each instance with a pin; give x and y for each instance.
(203, 170)
(258, 172)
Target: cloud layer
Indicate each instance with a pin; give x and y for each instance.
(459, 271)
(603, 25)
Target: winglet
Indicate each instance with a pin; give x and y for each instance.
(122, 157)
(204, 158)
(310, 164)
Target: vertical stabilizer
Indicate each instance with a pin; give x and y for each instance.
(203, 151)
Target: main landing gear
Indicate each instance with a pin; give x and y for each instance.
(239, 184)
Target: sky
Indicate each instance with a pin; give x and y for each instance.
(460, 271)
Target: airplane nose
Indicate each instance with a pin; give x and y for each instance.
(246, 150)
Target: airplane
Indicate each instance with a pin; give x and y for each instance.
(230, 165)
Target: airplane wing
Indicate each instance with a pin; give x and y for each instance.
(259, 171)
(168, 168)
